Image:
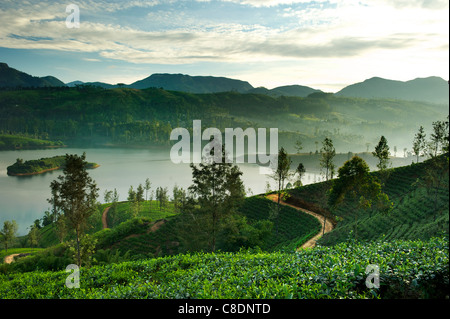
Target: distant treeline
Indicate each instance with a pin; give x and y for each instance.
(93, 115)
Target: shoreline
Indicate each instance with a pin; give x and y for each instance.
(46, 170)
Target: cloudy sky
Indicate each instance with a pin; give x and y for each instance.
(322, 44)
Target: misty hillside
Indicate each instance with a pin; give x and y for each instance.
(12, 78)
(432, 89)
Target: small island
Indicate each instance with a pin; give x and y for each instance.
(34, 167)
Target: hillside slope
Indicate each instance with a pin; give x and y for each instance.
(418, 212)
(12, 78)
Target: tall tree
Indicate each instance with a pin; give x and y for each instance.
(438, 137)
(326, 162)
(382, 153)
(162, 197)
(355, 183)
(8, 233)
(280, 176)
(147, 187)
(419, 143)
(75, 194)
(298, 146)
(34, 236)
(300, 170)
(218, 190)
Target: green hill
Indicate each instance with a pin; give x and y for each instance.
(12, 78)
(418, 212)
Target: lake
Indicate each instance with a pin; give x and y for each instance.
(24, 199)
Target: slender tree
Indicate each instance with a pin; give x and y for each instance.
(326, 162)
(147, 187)
(8, 233)
(419, 143)
(382, 153)
(75, 194)
(438, 137)
(300, 170)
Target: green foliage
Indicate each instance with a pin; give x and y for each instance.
(13, 142)
(407, 269)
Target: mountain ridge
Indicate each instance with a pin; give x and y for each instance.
(431, 89)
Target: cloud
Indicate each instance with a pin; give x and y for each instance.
(343, 30)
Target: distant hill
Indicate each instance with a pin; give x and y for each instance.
(191, 84)
(12, 78)
(431, 89)
(288, 90)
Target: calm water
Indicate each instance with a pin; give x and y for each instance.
(24, 199)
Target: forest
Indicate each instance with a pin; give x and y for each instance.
(93, 116)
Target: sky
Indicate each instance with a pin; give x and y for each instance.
(324, 44)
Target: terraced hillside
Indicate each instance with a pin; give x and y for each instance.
(419, 212)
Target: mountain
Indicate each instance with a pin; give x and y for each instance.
(288, 90)
(431, 89)
(191, 84)
(12, 78)
(74, 83)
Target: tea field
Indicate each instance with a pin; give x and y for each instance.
(407, 269)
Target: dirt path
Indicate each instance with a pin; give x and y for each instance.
(10, 258)
(104, 215)
(312, 242)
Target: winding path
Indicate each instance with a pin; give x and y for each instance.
(312, 242)
(104, 215)
(10, 258)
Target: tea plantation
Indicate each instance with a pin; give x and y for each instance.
(407, 269)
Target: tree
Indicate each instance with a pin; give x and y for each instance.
(298, 146)
(326, 162)
(218, 191)
(139, 196)
(8, 233)
(281, 175)
(131, 194)
(75, 194)
(61, 228)
(419, 143)
(179, 197)
(147, 187)
(108, 196)
(34, 236)
(382, 153)
(438, 137)
(355, 183)
(300, 170)
(162, 197)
